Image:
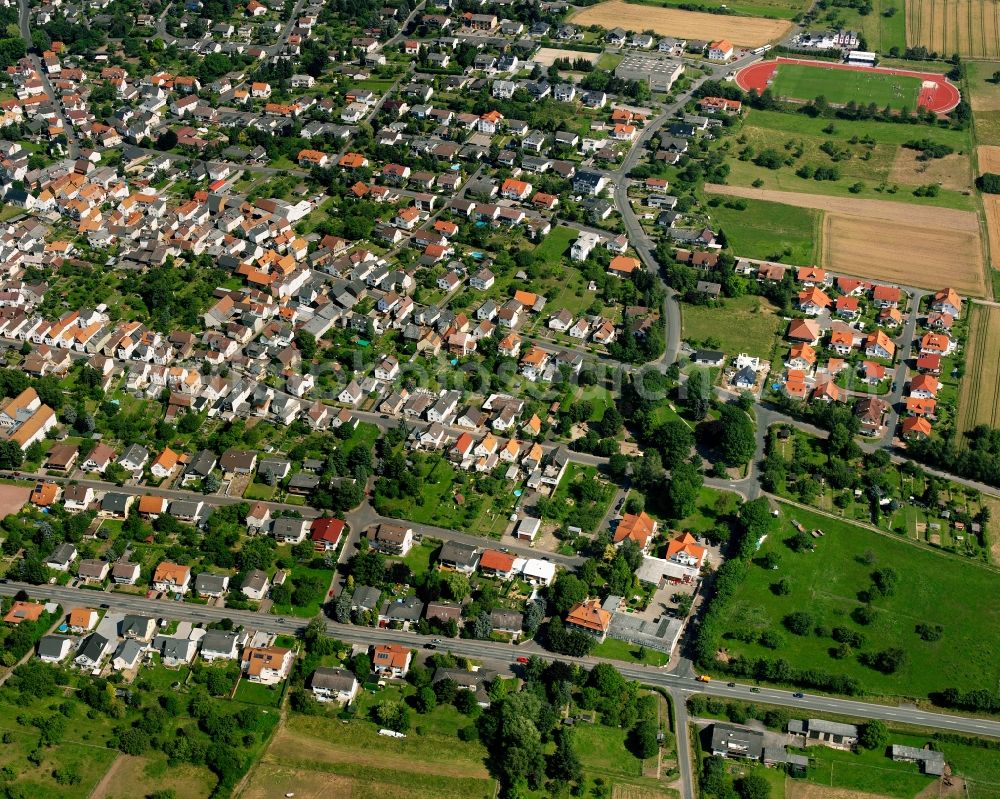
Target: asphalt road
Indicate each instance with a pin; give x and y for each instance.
(499, 653)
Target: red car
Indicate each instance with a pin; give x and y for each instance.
(522, 660)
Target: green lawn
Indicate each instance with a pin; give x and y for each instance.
(306, 611)
(556, 245)
(745, 324)
(772, 231)
(865, 152)
(931, 587)
(841, 86)
(622, 650)
(868, 770)
(256, 694)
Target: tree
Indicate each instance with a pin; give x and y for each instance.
(361, 666)
(642, 740)
(566, 591)
(799, 622)
(166, 140)
(737, 442)
(564, 764)
(753, 786)
(873, 735)
(683, 490)
(11, 455)
(425, 700)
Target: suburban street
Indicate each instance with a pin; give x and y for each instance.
(680, 686)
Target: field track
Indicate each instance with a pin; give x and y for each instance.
(745, 31)
(940, 98)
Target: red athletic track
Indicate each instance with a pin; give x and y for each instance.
(941, 98)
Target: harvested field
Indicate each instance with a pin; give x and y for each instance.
(12, 498)
(989, 158)
(951, 172)
(897, 252)
(979, 399)
(746, 31)
(890, 241)
(991, 204)
(130, 775)
(270, 781)
(968, 27)
(546, 56)
(800, 789)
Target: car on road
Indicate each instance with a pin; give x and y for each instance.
(755, 690)
(798, 695)
(430, 646)
(522, 659)
(730, 685)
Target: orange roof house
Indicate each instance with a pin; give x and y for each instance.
(916, 427)
(82, 618)
(813, 300)
(44, 494)
(24, 611)
(393, 659)
(686, 550)
(638, 527)
(495, 562)
(802, 352)
(623, 265)
(589, 617)
(803, 330)
(149, 505)
(918, 406)
(526, 298)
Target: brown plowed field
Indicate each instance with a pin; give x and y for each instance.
(915, 245)
(746, 31)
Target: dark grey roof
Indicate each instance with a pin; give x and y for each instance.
(365, 596)
(135, 625)
(206, 583)
(458, 554)
(114, 502)
(332, 679)
(93, 647)
(51, 645)
(408, 609)
(221, 641)
(202, 464)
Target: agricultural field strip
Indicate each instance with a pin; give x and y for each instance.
(980, 395)
(748, 31)
(931, 217)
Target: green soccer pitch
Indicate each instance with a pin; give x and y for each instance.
(840, 86)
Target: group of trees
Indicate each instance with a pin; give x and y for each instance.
(530, 750)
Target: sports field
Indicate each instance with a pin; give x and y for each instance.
(970, 28)
(841, 86)
(979, 400)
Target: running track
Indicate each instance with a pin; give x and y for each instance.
(940, 98)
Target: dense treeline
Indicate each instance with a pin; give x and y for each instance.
(979, 459)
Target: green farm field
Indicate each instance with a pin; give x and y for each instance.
(840, 86)
(931, 588)
(881, 32)
(869, 155)
(771, 230)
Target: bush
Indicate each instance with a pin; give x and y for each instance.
(988, 182)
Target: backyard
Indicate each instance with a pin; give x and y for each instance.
(747, 324)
